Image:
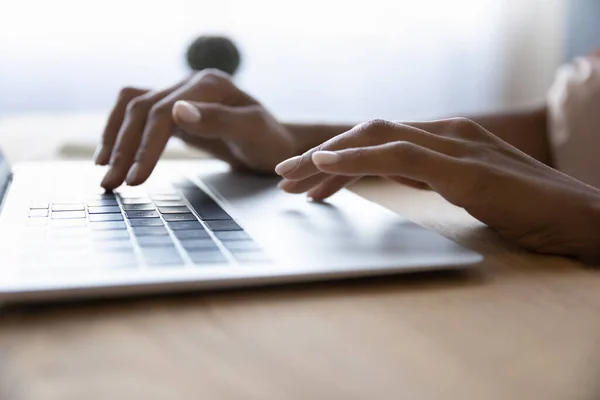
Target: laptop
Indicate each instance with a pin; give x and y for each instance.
(193, 226)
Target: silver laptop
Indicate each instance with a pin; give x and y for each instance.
(192, 226)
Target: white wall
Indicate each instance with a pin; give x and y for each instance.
(315, 59)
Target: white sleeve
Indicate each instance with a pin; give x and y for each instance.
(574, 120)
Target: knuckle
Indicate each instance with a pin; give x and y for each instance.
(254, 116)
(117, 158)
(461, 122)
(129, 92)
(406, 153)
(374, 130)
(463, 127)
(404, 148)
(359, 152)
(376, 124)
(160, 109)
(211, 76)
(139, 105)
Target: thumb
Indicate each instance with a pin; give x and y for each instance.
(214, 120)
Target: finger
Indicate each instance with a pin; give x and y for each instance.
(115, 120)
(129, 136)
(330, 186)
(160, 124)
(369, 134)
(215, 121)
(215, 147)
(303, 185)
(402, 159)
(245, 130)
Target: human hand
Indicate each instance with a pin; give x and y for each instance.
(524, 200)
(207, 111)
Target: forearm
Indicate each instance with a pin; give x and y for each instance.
(525, 130)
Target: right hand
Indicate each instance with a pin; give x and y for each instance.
(207, 111)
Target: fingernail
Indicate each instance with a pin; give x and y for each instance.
(186, 112)
(287, 166)
(101, 155)
(325, 157)
(133, 173)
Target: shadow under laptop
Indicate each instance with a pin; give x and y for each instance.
(338, 289)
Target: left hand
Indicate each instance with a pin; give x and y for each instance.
(523, 199)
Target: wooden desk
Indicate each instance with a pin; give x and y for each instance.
(525, 327)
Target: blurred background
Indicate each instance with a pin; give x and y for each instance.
(62, 62)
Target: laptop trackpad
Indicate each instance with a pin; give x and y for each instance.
(345, 230)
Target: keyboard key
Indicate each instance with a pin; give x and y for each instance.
(131, 194)
(174, 210)
(203, 204)
(185, 225)
(210, 211)
(158, 241)
(106, 217)
(68, 223)
(67, 199)
(241, 246)
(169, 204)
(73, 233)
(196, 234)
(180, 217)
(75, 243)
(39, 205)
(68, 214)
(102, 203)
(68, 207)
(138, 207)
(166, 197)
(108, 225)
(110, 235)
(38, 213)
(223, 225)
(227, 236)
(162, 256)
(141, 200)
(142, 214)
(115, 245)
(207, 257)
(146, 222)
(150, 231)
(199, 244)
(161, 192)
(104, 210)
(102, 196)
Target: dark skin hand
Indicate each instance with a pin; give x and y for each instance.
(207, 111)
(523, 199)
(503, 179)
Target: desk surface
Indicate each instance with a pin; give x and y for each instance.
(524, 327)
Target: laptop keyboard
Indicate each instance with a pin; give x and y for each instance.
(180, 225)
